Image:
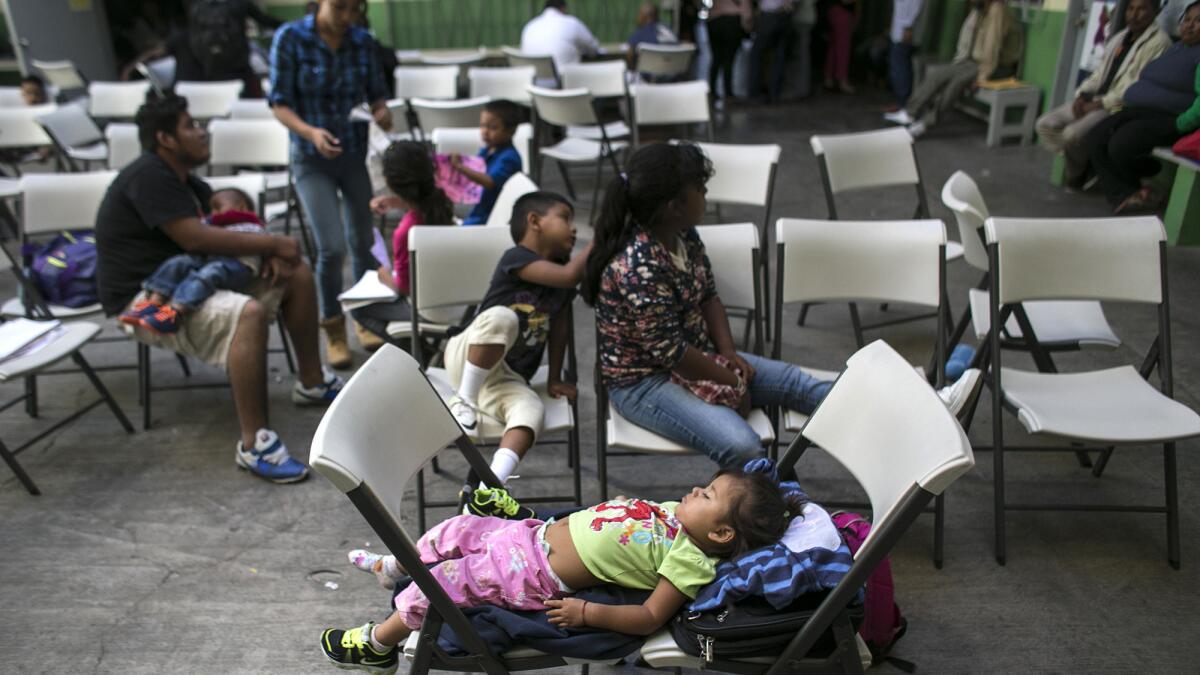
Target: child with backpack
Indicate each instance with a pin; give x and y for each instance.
(669, 548)
(497, 124)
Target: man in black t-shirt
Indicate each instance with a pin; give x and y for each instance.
(156, 209)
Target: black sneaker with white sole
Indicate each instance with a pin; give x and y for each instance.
(351, 649)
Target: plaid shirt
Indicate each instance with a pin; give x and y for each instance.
(321, 86)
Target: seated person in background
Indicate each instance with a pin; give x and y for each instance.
(33, 90)
(557, 34)
(1161, 107)
(183, 282)
(989, 47)
(497, 124)
(678, 546)
(1125, 55)
(153, 211)
(491, 360)
(649, 30)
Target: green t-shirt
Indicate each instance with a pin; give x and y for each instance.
(632, 543)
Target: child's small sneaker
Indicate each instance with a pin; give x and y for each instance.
(352, 649)
(165, 320)
(958, 395)
(464, 413)
(322, 394)
(497, 503)
(139, 311)
(269, 459)
(373, 563)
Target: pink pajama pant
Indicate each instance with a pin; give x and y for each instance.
(483, 561)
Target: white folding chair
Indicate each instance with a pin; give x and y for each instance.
(465, 60)
(664, 60)
(207, 100)
(19, 128)
(251, 109)
(732, 251)
(604, 80)
(124, 146)
(116, 100)
(385, 425)
(433, 114)
(452, 267)
(521, 140)
(436, 82)
(160, 73)
(461, 141)
(514, 188)
(75, 136)
(507, 83)
(679, 103)
(62, 74)
(546, 74)
(573, 108)
(896, 438)
(1101, 259)
(402, 120)
(1060, 326)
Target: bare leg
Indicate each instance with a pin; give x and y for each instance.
(517, 439)
(485, 356)
(300, 315)
(392, 631)
(247, 370)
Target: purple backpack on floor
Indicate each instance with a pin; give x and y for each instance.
(64, 270)
(882, 624)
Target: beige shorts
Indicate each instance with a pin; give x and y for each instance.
(505, 395)
(207, 332)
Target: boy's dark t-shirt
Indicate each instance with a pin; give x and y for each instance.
(534, 305)
(130, 243)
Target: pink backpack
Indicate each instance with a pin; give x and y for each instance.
(882, 622)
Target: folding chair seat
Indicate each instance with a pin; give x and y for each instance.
(508, 83)
(68, 341)
(116, 100)
(517, 185)
(890, 431)
(733, 252)
(429, 82)
(124, 146)
(75, 135)
(664, 60)
(433, 114)
(451, 267)
(679, 104)
(207, 100)
(545, 72)
(21, 129)
(1102, 259)
(382, 429)
(606, 81)
(567, 108)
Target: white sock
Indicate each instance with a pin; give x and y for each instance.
(504, 462)
(375, 644)
(472, 381)
(391, 567)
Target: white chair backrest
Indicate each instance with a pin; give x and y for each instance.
(454, 265)
(742, 174)
(251, 109)
(458, 58)
(463, 141)
(886, 261)
(10, 97)
(62, 74)
(253, 184)
(543, 64)
(730, 249)
(674, 103)
(514, 188)
(461, 113)
(961, 195)
(248, 143)
(602, 78)
(386, 424)
(71, 126)
(160, 72)
(19, 127)
(564, 107)
(123, 144)
(116, 100)
(907, 438)
(61, 201)
(440, 82)
(868, 159)
(521, 141)
(207, 100)
(1078, 258)
(664, 60)
(510, 83)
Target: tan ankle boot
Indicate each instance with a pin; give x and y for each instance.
(337, 350)
(366, 338)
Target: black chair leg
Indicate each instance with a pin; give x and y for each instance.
(31, 396)
(803, 314)
(1102, 461)
(857, 324)
(11, 461)
(562, 170)
(103, 391)
(421, 500)
(1169, 478)
(145, 384)
(183, 365)
(939, 530)
(287, 345)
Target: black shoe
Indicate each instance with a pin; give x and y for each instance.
(497, 503)
(352, 649)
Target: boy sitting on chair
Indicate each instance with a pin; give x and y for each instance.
(492, 359)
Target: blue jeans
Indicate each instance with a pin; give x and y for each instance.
(189, 280)
(336, 223)
(673, 412)
(901, 70)
(773, 32)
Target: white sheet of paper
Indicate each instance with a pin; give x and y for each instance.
(367, 291)
(379, 249)
(17, 334)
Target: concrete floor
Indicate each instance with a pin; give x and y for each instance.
(151, 553)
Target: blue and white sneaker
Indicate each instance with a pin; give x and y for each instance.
(322, 394)
(269, 459)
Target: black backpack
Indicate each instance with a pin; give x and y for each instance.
(217, 37)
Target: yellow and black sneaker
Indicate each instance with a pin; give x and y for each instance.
(496, 502)
(352, 649)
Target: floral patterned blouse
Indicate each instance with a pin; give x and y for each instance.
(648, 310)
